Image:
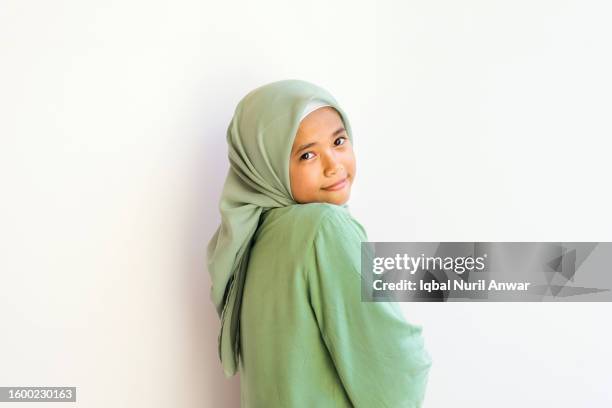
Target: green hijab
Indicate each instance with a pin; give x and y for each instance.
(260, 138)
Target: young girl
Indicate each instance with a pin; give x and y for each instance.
(285, 265)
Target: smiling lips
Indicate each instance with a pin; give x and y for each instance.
(337, 186)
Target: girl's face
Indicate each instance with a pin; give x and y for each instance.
(322, 162)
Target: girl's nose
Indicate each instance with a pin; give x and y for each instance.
(333, 168)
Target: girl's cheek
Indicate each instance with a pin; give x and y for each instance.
(305, 175)
(313, 175)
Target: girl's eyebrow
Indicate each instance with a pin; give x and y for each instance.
(307, 145)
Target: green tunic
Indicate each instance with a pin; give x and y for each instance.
(307, 339)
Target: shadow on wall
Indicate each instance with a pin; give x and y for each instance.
(201, 220)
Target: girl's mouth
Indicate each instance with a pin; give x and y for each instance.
(337, 186)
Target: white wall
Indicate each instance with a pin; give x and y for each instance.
(474, 120)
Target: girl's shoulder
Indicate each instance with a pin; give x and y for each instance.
(312, 219)
(318, 211)
(337, 220)
(310, 213)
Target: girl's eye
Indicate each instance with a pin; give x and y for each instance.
(341, 138)
(305, 158)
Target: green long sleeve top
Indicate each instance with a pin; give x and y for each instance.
(307, 339)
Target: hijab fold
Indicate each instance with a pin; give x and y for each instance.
(260, 139)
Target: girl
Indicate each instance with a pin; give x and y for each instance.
(285, 265)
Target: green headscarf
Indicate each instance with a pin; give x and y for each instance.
(260, 138)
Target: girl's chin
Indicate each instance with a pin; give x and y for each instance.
(339, 198)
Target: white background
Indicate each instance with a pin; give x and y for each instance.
(473, 121)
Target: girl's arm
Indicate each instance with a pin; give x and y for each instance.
(379, 356)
